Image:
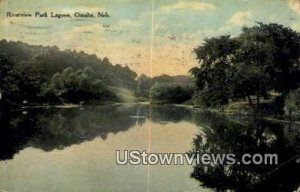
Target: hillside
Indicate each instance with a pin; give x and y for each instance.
(35, 74)
(54, 60)
(46, 74)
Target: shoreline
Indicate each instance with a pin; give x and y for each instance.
(191, 107)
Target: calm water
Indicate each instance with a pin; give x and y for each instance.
(73, 150)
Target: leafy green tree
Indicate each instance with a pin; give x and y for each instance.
(275, 49)
(32, 76)
(144, 83)
(262, 58)
(9, 89)
(166, 93)
(267, 60)
(215, 59)
(143, 86)
(75, 86)
(27, 71)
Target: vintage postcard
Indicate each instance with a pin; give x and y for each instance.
(149, 95)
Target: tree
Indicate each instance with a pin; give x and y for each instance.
(262, 58)
(276, 50)
(33, 75)
(10, 92)
(166, 93)
(75, 86)
(27, 71)
(273, 52)
(143, 86)
(215, 59)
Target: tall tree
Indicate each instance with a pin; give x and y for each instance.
(215, 59)
(8, 81)
(262, 58)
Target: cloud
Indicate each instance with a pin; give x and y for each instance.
(129, 23)
(77, 33)
(81, 9)
(295, 26)
(33, 27)
(239, 18)
(295, 5)
(196, 6)
(95, 28)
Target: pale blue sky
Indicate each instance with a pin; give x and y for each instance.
(125, 37)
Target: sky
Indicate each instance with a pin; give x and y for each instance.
(152, 37)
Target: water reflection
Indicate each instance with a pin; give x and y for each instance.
(223, 135)
(172, 128)
(170, 113)
(50, 129)
(74, 150)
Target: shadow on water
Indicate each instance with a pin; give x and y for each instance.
(49, 129)
(169, 113)
(223, 135)
(53, 128)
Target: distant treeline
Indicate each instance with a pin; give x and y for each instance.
(165, 89)
(31, 74)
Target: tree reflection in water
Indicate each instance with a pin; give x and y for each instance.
(223, 135)
(50, 129)
(53, 128)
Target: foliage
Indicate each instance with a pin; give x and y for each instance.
(75, 86)
(40, 74)
(144, 83)
(8, 78)
(53, 60)
(170, 93)
(261, 59)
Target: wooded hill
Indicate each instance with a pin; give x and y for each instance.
(46, 74)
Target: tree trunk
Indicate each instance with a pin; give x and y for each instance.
(250, 101)
(290, 114)
(257, 99)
